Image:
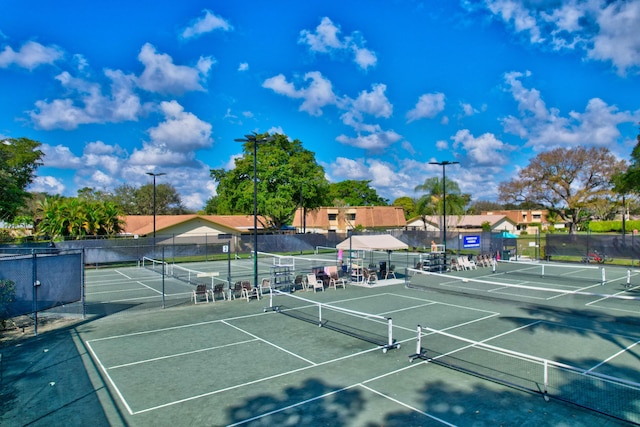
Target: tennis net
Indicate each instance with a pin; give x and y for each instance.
(606, 394)
(193, 277)
(297, 263)
(562, 273)
(156, 265)
(497, 287)
(368, 327)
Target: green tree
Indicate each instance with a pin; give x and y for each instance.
(287, 176)
(139, 200)
(407, 204)
(432, 202)
(355, 193)
(567, 181)
(19, 160)
(77, 217)
(168, 200)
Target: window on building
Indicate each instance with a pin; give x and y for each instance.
(333, 217)
(351, 217)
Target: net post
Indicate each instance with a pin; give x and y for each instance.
(546, 380)
(493, 265)
(319, 314)
(390, 332)
(604, 279)
(628, 285)
(542, 270)
(420, 352)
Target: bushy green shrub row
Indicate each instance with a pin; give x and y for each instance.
(614, 226)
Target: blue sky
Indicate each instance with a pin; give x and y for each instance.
(377, 89)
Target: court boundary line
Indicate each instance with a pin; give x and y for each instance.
(363, 384)
(200, 350)
(271, 344)
(268, 378)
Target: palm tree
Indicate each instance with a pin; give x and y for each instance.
(432, 202)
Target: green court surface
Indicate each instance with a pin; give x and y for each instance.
(240, 363)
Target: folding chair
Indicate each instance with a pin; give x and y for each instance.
(314, 283)
(249, 291)
(265, 285)
(199, 292)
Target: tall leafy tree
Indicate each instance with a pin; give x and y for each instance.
(19, 160)
(567, 181)
(139, 200)
(355, 193)
(407, 204)
(288, 176)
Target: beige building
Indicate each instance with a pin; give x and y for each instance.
(341, 220)
(525, 220)
(464, 223)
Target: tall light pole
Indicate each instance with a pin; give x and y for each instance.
(255, 139)
(154, 175)
(444, 164)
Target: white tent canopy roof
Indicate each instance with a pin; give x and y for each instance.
(381, 242)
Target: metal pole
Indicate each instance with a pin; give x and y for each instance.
(444, 206)
(255, 212)
(163, 273)
(154, 175)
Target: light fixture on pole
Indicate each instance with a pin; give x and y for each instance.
(444, 206)
(255, 139)
(154, 175)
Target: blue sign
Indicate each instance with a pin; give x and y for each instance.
(471, 242)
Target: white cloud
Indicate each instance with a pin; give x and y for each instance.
(428, 106)
(375, 142)
(163, 76)
(545, 128)
(47, 184)
(89, 104)
(31, 55)
(383, 175)
(603, 30)
(375, 102)
(59, 156)
(180, 131)
(326, 39)
(618, 39)
(244, 66)
(483, 150)
(316, 95)
(209, 22)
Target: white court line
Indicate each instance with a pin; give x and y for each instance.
(304, 402)
(271, 344)
(246, 384)
(447, 304)
(186, 353)
(612, 357)
(249, 383)
(433, 417)
(106, 374)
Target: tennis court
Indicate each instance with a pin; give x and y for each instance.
(466, 348)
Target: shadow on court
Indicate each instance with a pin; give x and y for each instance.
(45, 382)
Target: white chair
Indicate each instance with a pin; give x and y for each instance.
(265, 286)
(199, 292)
(468, 264)
(314, 283)
(249, 291)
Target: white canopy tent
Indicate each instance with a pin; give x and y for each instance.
(376, 242)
